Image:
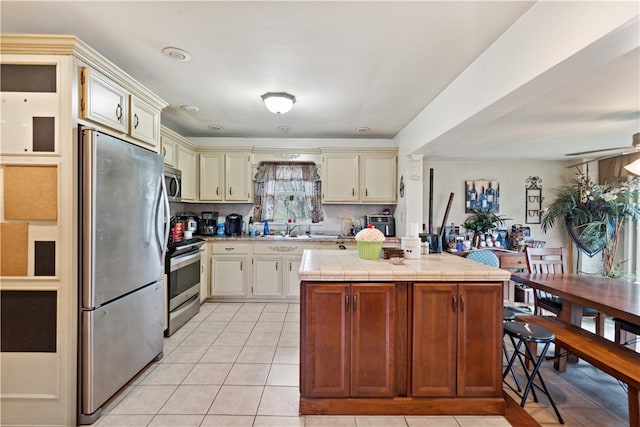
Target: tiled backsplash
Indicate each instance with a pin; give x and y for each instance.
(334, 215)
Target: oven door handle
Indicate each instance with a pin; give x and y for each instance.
(180, 261)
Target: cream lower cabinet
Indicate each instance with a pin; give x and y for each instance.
(230, 267)
(205, 256)
(275, 269)
(290, 281)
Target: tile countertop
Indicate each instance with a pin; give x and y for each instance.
(340, 265)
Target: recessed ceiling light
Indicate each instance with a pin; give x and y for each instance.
(362, 129)
(177, 54)
(190, 108)
(215, 127)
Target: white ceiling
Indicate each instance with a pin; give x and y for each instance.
(350, 64)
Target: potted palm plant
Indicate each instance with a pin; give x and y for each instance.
(481, 222)
(594, 216)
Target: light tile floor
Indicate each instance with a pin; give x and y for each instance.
(236, 364)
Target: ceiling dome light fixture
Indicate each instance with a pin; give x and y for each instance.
(278, 102)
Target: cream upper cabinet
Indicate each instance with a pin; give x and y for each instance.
(238, 174)
(144, 123)
(378, 178)
(212, 177)
(226, 177)
(104, 101)
(109, 104)
(187, 163)
(169, 150)
(340, 178)
(348, 177)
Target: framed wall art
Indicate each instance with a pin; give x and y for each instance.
(483, 195)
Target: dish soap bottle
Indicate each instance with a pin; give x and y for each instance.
(266, 227)
(252, 228)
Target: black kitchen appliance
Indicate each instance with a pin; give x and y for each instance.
(233, 225)
(190, 223)
(208, 223)
(385, 223)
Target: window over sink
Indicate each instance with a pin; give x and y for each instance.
(287, 190)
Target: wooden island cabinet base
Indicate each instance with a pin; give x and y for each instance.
(403, 406)
(424, 338)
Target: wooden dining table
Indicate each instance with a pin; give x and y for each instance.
(615, 297)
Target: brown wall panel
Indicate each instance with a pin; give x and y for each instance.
(31, 192)
(28, 321)
(45, 258)
(28, 78)
(14, 238)
(44, 134)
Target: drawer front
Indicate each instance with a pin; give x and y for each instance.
(230, 248)
(280, 248)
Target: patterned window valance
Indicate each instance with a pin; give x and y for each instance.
(283, 171)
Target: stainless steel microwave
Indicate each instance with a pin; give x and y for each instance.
(173, 183)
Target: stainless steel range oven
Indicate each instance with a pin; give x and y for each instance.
(183, 277)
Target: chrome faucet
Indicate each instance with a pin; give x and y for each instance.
(290, 229)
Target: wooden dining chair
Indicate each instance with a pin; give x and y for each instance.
(554, 261)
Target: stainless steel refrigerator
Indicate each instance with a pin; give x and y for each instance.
(123, 237)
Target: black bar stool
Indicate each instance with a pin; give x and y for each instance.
(509, 316)
(526, 333)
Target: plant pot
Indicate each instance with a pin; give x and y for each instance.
(589, 247)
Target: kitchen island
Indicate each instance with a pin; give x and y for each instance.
(415, 339)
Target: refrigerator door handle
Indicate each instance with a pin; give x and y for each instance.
(164, 199)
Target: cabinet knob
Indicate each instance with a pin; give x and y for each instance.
(454, 303)
(136, 121)
(119, 112)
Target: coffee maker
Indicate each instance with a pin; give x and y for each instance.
(233, 225)
(208, 223)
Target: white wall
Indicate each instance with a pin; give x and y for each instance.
(451, 176)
